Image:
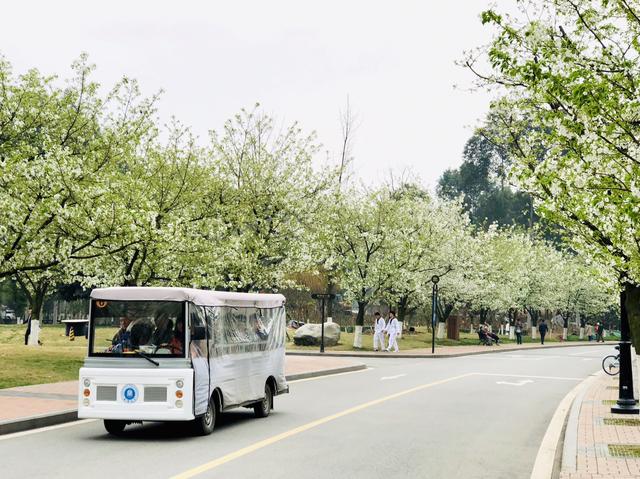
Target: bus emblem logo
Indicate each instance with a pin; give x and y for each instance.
(129, 393)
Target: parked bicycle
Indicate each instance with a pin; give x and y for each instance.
(611, 363)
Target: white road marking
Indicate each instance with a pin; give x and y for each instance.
(4, 437)
(386, 378)
(503, 375)
(512, 357)
(519, 383)
(582, 353)
(326, 376)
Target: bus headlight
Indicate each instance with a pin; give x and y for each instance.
(85, 402)
(87, 382)
(179, 383)
(178, 403)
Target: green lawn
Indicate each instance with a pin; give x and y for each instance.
(58, 359)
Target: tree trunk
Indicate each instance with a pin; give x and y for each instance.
(402, 308)
(633, 313)
(35, 293)
(483, 315)
(357, 336)
(331, 289)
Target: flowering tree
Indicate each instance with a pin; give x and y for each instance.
(568, 116)
(358, 231)
(156, 202)
(56, 145)
(269, 201)
(428, 238)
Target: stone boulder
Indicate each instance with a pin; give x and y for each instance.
(310, 334)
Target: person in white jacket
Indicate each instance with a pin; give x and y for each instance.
(393, 330)
(378, 331)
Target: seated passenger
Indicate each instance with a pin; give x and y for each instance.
(141, 332)
(260, 330)
(176, 344)
(163, 333)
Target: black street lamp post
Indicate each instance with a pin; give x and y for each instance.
(626, 403)
(322, 297)
(434, 313)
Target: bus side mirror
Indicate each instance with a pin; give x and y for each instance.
(199, 333)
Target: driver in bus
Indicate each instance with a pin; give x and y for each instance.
(120, 340)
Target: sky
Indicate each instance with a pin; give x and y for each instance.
(301, 60)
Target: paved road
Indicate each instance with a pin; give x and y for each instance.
(469, 417)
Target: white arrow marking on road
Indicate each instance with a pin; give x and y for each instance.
(392, 377)
(519, 383)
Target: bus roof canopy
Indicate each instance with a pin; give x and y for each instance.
(196, 296)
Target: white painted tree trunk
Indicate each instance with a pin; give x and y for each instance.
(564, 333)
(533, 332)
(357, 337)
(581, 333)
(35, 333)
(441, 328)
(512, 333)
(401, 324)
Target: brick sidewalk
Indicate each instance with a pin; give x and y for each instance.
(28, 401)
(594, 460)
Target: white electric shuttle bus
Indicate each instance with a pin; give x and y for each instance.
(179, 354)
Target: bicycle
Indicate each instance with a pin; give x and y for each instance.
(611, 363)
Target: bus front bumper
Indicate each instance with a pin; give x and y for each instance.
(136, 394)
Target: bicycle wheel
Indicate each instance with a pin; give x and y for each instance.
(611, 365)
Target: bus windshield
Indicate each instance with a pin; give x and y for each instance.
(122, 328)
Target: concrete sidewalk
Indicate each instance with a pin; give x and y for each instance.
(30, 407)
(445, 351)
(594, 436)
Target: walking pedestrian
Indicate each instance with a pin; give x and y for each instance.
(599, 332)
(393, 330)
(378, 331)
(27, 319)
(543, 328)
(518, 328)
(589, 332)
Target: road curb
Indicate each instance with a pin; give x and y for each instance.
(70, 415)
(497, 349)
(543, 467)
(326, 372)
(35, 422)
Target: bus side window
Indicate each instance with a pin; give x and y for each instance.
(197, 330)
(212, 322)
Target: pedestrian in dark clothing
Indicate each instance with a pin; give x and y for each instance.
(543, 328)
(27, 333)
(599, 332)
(518, 332)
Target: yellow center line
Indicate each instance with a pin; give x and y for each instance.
(305, 427)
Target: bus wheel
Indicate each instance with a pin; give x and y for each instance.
(114, 427)
(204, 424)
(263, 408)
